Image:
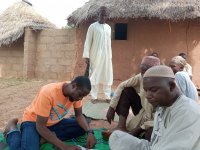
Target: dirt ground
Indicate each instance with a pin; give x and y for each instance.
(17, 94)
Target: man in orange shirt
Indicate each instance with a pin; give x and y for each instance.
(45, 117)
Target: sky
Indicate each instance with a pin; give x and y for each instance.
(55, 11)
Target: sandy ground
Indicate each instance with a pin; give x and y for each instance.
(16, 94)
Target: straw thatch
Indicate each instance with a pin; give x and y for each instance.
(163, 9)
(16, 18)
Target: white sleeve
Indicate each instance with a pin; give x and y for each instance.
(182, 132)
(180, 82)
(88, 42)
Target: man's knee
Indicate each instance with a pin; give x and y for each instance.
(114, 137)
(129, 90)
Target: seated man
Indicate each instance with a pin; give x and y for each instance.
(45, 117)
(182, 78)
(128, 94)
(177, 117)
(187, 67)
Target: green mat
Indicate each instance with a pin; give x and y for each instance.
(100, 145)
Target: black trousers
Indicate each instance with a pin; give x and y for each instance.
(129, 98)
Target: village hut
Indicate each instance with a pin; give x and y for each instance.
(13, 22)
(140, 27)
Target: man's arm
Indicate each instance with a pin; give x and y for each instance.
(88, 43)
(91, 140)
(49, 136)
(180, 134)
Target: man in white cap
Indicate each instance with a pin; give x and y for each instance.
(187, 67)
(128, 94)
(177, 117)
(182, 78)
(98, 55)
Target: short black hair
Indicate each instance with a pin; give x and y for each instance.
(153, 54)
(181, 54)
(82, 82)
(184, 55)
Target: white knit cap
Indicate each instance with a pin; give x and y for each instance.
(179, 60)
(159, 71)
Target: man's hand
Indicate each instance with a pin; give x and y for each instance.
(110, 114)
(91, 140)
(87, 60)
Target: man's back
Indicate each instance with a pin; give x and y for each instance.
(49, 102)
(186, 86)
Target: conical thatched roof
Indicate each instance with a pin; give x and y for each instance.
(17, 17)
(163, 9)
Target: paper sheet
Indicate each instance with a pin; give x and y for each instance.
(83, 148)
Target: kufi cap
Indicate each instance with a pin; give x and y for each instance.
(150, 61)
(179, 60)
(159, 71)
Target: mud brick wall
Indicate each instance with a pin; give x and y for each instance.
(11, 59)
(50, 54)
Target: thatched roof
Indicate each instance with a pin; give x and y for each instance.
(16, 18)
(163, 9)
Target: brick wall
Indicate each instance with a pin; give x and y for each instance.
(11, 59)
(50, 54)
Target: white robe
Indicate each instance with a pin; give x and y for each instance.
(186, 86)
(98, 49)
(175, 128)
(188, 69)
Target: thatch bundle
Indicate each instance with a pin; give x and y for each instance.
(163, 9)
(16, 18)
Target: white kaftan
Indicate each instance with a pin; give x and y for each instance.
(98, 49)
(188, 69)
(175, 128)
(186, 86)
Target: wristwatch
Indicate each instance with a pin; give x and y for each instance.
(90, 131)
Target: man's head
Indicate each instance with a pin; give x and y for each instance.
(160, 87)
(177, 64)
(148, 62)
(77, 89)
(103, 14)
(183, 55)
(154, 54)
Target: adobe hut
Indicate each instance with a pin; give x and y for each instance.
(13, 22)
(143, 26)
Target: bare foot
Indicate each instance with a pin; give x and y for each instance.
(94, 101)
(107, 100)
(106, 134)
(11, 125)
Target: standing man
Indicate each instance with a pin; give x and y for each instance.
(98, 55)
(177, 117)
(45, 118)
